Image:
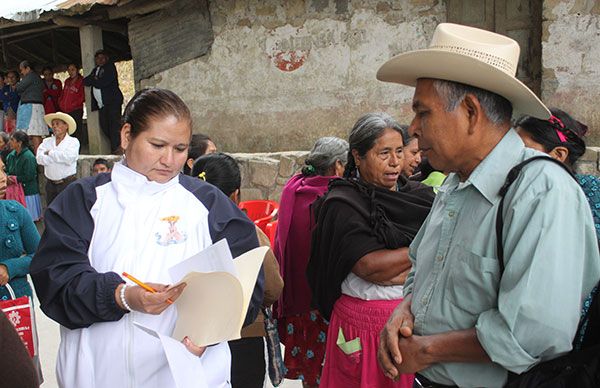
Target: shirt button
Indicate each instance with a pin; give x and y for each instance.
(424, 300)
(439, 257)
(451, 213)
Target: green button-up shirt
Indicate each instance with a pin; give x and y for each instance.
(552, 263)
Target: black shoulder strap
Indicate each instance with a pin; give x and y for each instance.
(510, 178)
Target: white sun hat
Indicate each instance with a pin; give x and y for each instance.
(61, 116)
(470, 56)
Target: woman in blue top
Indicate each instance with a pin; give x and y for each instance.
(18, 242)
(561, 137)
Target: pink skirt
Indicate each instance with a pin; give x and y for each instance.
(351, 368)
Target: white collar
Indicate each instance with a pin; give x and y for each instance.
(130, 184)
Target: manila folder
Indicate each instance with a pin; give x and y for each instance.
(213, 305)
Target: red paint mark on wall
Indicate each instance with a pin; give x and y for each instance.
(290, 60)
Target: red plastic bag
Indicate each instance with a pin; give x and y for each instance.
(14, 190)
(19, 312)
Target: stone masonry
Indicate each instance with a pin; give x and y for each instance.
(265, 174)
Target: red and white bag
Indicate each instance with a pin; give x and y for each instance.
(19, 312)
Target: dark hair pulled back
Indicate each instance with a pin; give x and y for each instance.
(198, 147)
(545, 132)
(22, 138)
(153, 103)
(220, 170)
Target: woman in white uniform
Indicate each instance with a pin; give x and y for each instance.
(142, 218)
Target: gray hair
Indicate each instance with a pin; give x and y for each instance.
(325, 153)
(497, 108)
(365, 133)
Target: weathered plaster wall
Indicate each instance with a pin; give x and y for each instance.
(281, 74)
(570, 60)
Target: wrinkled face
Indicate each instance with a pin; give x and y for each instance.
(160, 151)
(59, 128)
(2, 143)
(48, 75)
(11, 78)
(100, 168)
(100, 59)
(412, 157)
(211, 148)
(3, 180)
(441, 134)
(382, 164)
(72, 70)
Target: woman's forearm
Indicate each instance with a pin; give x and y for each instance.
(384, 266)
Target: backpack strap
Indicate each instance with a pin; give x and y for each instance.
(510, 178)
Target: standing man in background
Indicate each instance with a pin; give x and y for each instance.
(107, 98)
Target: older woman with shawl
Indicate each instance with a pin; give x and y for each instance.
(302, 329)
(359, 256)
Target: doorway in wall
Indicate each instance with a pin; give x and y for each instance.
(519, 19)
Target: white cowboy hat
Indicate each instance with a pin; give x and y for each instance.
(470, 56)
(61, 116)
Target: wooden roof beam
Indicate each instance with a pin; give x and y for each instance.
(67, 21)
(27, 53)
(28, 31)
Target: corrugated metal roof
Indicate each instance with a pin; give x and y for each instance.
(30, 10)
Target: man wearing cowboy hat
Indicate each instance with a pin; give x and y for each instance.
(58, 154)
(462, 322)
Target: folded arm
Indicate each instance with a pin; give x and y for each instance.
(384, 266)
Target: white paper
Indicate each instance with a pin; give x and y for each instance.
(186, 368)
(215, 258)
(213, 306)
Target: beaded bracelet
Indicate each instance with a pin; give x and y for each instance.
(123, 300)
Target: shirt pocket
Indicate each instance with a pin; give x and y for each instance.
(473, 281)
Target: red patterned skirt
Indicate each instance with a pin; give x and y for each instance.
(304, 337)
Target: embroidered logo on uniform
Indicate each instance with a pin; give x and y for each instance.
(172, 235)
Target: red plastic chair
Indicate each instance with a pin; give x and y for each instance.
(270, 232)
(260, 211)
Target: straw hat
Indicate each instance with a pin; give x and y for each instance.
(470, 56)
(64, 117)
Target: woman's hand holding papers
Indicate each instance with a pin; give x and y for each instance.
(196, 350)
(148, 302)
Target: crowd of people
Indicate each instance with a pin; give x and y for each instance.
(401, 258)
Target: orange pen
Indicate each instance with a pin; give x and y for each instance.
(143, 285)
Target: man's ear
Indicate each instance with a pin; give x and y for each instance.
(473, 110)
(125, 135)
(190, 163)
(560, 153)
